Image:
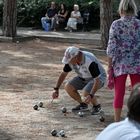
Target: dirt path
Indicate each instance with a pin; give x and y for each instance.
(28, 73)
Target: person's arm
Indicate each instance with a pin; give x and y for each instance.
(78, 15)
(60, 80)
(66, 13)
(59, 13)
(71, 15)
(58, 84)
(109, 63)
(95, 87)
(47, 13)
(95, 72)
(112, 43)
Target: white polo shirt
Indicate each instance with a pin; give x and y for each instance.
(124, 130)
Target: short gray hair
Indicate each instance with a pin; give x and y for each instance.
(76, 6)
(128, 7)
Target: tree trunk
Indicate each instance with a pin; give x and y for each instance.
(105, 21)
(9, 18)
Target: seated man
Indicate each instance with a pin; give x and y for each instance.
(50, 16)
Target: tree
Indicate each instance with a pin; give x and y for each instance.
(9, 18)
(105, 20)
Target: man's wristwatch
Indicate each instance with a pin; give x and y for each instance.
(56, 88)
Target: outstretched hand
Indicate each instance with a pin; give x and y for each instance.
(55, 94)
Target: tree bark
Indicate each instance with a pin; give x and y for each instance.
(9, 18)
(105, 21)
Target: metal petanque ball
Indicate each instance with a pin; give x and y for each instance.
(54, 132)
(102, 119)
(35, 107)
(40, 104)
(81, 114)
(62, 133)
(64, 110)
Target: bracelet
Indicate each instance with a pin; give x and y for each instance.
(56, 88)
(91, 95)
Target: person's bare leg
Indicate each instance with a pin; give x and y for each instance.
(117, 114)
(73, 93)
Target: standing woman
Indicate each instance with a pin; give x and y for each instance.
(124, 52)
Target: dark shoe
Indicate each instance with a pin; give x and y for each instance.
(96, 110)
(81, 106)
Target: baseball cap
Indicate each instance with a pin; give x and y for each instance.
(70, 53)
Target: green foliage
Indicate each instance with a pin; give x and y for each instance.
(31, 11)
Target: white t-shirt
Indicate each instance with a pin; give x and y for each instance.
(75, 14)
(124, 130)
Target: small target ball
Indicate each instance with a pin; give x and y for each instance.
(102, 119)
(64, 110)
(54, 132)
(81, 114)
(40, 104)
(35, 107)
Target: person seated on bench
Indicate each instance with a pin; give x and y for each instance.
(50, 16)
(62, 16)
(73, 20)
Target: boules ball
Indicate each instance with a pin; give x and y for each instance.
(62, 133)
(64, 110)
(102, 119)
(81, 114)
(41, 104)
(35, 107)
(54, 132)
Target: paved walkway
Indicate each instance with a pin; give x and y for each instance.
(92, 37)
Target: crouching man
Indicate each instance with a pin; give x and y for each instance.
(91, 76)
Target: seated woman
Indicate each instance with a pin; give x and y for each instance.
(62, 15)
(73, 20)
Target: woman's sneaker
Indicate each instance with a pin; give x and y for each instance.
(81, 106)
(96, 110)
